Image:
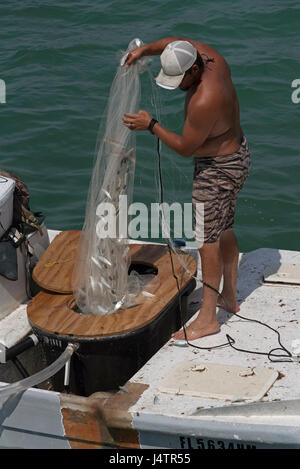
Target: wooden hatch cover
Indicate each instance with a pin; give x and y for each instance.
(54, 270)
(56, 313)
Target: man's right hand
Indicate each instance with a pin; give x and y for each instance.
(134, 55)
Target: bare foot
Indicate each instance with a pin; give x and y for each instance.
(198, 328)
(230, 306)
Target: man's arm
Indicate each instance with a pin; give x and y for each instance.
(153, 48)
(194, 134)
(198, 124)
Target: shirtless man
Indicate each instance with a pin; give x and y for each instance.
(213, 135)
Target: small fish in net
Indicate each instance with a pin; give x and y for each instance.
(101, 283)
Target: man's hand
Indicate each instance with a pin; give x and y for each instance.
(138, 121)
(134, 55)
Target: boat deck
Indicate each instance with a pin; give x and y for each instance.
(141, 415)
(277, 306)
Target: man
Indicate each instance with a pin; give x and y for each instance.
(213, 135)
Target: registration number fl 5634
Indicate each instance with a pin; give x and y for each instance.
(190, 442)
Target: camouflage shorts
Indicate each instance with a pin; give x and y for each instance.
(217, 182)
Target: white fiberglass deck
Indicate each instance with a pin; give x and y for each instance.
(177, 420)
(279, 307)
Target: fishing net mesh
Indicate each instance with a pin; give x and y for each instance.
(101, 282)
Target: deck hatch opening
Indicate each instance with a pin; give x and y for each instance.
(219, 381)
(284, 274)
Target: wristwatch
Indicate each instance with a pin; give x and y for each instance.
(152, 124)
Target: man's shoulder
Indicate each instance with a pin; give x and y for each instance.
(204, 48)
(206, 104)
(202, 103)
(208, 93)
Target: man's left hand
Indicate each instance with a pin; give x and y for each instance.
(138, 121)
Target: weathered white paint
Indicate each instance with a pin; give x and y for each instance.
(32, 420)
(164, 431)
(161, 418)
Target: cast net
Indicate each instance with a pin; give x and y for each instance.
(101, 283)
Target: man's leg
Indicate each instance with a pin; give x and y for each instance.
(230, 255)
(206, 322)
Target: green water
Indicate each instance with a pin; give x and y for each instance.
(58, 59)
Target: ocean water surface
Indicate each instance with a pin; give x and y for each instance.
(58, 60)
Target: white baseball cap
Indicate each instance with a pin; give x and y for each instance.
(176, 59)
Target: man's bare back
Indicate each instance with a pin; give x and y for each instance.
(217, 88)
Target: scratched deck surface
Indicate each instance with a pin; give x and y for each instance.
(171, 420)
(278, 306)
